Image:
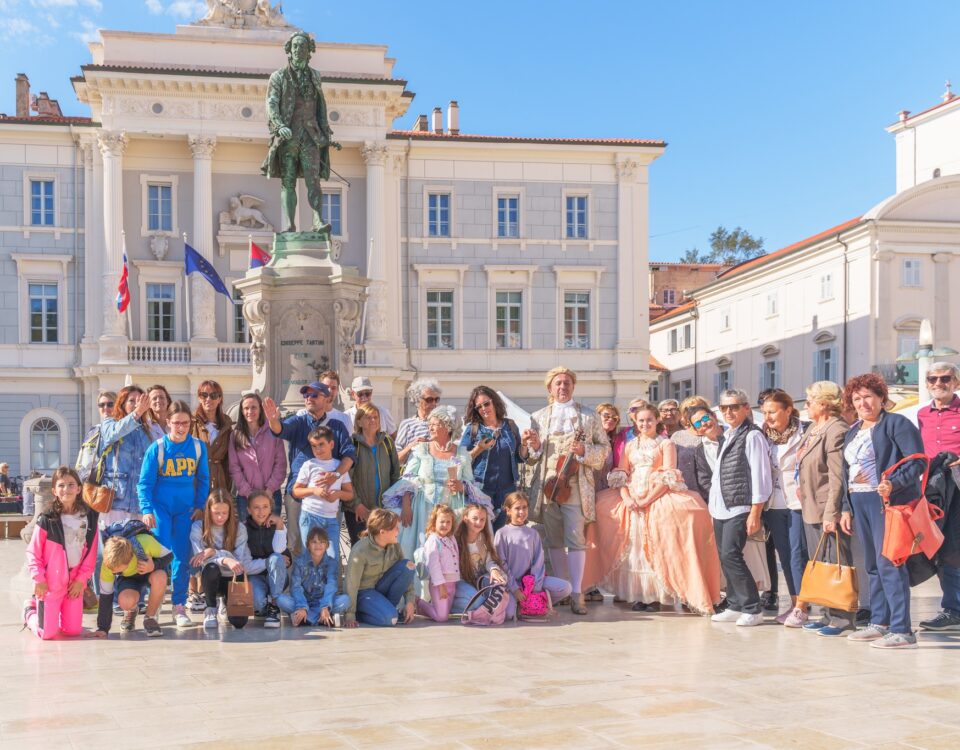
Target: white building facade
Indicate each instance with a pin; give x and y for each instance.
(845, 301)
(491, 259)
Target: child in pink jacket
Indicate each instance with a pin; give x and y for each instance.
(441, 558)
(61, 557)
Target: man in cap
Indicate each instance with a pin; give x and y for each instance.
(361, 391)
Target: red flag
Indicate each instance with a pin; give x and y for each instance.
(123, 289)
(258, 256)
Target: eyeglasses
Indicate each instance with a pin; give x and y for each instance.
(105, 405)
(485, 404)
(209, 394)
(702, 422)
(731, 407)
(945, 379)
(311, 395)
(609, 416)
(180, 423)
(430, 399)
(669, 409)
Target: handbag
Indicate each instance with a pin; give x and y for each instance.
(536, 604)
(239, 598)
(828, 584)
(493, 608)
(95, 494)
(911, 527)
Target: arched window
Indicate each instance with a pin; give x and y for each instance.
(44, 445)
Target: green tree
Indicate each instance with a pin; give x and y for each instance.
(728, 247)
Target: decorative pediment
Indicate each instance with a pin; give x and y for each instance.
(824, 337)
(770, 350)
(723, 362)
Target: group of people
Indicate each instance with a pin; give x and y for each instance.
(675, 508)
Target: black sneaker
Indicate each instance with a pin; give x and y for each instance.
(770, 602)
(271, 618)
(151, 627)
(721, 605)
(129, 621)
(944, 622)
(863, 617)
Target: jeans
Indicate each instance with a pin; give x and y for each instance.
(889, 585)
(330, 525)
(731, 535)
(950, 585)
(271, 583)
(786, 531)
(341, 602)
(497, 497)
(378, 606)
(465, 592)
(215, 584)
(461, 598)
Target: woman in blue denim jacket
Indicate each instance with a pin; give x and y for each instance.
(495, 447)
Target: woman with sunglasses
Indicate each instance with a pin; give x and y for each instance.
(496, 450)
(687, 440)
(214, 427)
(424, 394)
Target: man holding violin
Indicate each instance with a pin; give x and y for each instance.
(568, 443)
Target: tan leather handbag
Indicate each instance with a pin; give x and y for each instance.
(831, 585)
(96, 495)
(239, 598)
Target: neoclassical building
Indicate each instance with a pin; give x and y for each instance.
(847, 300)
(490, 259)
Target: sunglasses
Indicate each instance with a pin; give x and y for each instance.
(702, 422)
(361, 394)
(311, 395)
(105, 405)
(485, 404)
(945, 379)
(209, 394)
(430, 399)
(731, 407)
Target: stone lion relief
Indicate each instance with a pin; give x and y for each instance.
(244, 213)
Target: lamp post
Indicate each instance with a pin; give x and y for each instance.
(925, 356)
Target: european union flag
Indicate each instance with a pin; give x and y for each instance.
(193, 261)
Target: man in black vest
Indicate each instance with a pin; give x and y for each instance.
(742, 483)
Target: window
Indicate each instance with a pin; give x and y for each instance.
(576, 320)
(669, 296)
(826, 287)
(241, 334)
(721, 382)
(439, 319)
(681, 390)
(674, 343)
(43, 313)
(769, 375)
(508, 216)
(688, 336)
(41, 203)
(509, 312)
(824, 365)
(438, 214)
(576, 217)
(908, 342)
(160, 312)
(330, 211)
(160, 207)
(44, 445)
(910, 275)
(653, 392)
(772, 305)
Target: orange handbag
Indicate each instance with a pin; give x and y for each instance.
(911, 528)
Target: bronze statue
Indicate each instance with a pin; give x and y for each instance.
(300, 136)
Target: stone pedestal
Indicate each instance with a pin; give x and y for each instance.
(303, 310)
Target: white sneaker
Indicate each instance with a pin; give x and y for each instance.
(728, 615)
(210, 618)
(180, 617)
(222, 609)
(748, 621)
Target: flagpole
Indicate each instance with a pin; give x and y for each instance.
(123, 244)
(187, 285)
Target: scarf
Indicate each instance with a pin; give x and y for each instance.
(779, 438)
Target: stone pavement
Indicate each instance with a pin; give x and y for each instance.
(611, 679)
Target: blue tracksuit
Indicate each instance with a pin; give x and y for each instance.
(170, 493)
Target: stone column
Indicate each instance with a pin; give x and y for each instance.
(91, 258)
(375, 156)
(941, 299)
(202, 296)
(884, 340)
(633, 340)
(114, 327)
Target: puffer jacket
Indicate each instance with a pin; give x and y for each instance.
(128, 442)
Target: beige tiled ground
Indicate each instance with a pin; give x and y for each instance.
(612, 679)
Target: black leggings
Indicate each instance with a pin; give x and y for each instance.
(215, 584)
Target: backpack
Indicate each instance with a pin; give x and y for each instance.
(492, 609)
(89, 452)
(196, 448)
(128, 530)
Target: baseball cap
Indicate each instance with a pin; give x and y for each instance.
(361, 384)
(316, 385)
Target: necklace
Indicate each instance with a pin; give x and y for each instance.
(443, 448)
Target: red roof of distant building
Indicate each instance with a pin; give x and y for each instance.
(676, 311)
(424, 135)
(655, 365)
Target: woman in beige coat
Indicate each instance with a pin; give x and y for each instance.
(820, 489)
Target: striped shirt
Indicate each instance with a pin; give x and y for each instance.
(411, 429)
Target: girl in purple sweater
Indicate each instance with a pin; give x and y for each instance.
(521, 551)
(441, 558)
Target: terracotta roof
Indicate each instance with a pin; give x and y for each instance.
(186, 70)
(655, 365)
(676, 311)
(681, 264)
(754, 262)
(46, 120)
(952, 100)
(421, 135)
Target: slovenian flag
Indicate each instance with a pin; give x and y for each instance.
(258, 256)
(123, 288)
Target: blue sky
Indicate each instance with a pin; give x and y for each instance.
(774, 112)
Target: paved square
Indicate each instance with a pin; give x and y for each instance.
(611, 679)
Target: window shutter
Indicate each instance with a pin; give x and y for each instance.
(834, 365)
(716, 387)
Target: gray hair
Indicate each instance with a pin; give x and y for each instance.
(417, 387)
(741, 396)
(668, 402)
(946, 367)
(447, 416)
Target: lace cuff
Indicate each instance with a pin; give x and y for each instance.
(671, 478)
(617, 478)
(393, 495)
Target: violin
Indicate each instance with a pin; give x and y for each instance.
(557, 488)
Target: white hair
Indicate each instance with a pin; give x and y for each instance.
(417, 387)
(447, 416)
(945, 367)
